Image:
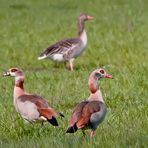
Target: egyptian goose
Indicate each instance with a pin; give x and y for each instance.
(68, 49)
(31, 107)
(90, 113)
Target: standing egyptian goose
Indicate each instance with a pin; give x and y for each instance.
(31, 107)
(90, 113)
(68, 49)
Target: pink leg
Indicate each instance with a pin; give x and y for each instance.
(92, 133)
(71, 64)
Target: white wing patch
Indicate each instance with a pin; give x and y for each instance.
(58, 57)
(42, 57)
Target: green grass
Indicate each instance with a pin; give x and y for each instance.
(117, 40)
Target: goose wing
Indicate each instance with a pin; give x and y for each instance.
(38, 100)
(42, 105)
(61, 47)
(92, 114)
(77, 112)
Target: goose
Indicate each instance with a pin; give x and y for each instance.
(31, 107)
(90, 113)
(68, 49)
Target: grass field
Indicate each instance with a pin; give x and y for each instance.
(117, 40)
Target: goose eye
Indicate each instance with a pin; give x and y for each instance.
(13, 70)
(102, 71)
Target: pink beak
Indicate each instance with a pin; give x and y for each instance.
(90, 17)
(108, 76)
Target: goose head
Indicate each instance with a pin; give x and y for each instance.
(85, 17)
(13, 72)
(101, 73)
(95, 76)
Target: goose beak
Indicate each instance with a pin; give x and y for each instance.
(108, 76)
(90, 17)
(7, 73)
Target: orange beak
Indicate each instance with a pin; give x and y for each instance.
(108, 76)
(90, 17)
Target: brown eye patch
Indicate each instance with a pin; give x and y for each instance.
(13, 70)
(102, 71)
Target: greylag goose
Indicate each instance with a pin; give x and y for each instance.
(31, 107)
(68, 49)
(90, 113)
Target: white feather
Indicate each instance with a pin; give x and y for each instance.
(58, 57)
(83, 37)
(42, 57)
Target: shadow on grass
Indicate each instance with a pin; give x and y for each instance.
(18, 6)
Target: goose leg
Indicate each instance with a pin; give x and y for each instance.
(66, 65)
(42, 123)
(71, 64)
(92, 133)
(84, 134)
(56, 64)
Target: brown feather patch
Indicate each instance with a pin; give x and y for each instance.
(88, 110)
(47, 113)
(77, 113)
(93, 88)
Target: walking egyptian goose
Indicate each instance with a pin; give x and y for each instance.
(68, 49)
(31, 107)
(90, 113)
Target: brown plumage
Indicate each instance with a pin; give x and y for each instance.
(31, 107)
(88, 109)
(77, 112)
(90, 113)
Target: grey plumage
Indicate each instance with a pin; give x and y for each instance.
(68, 49)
